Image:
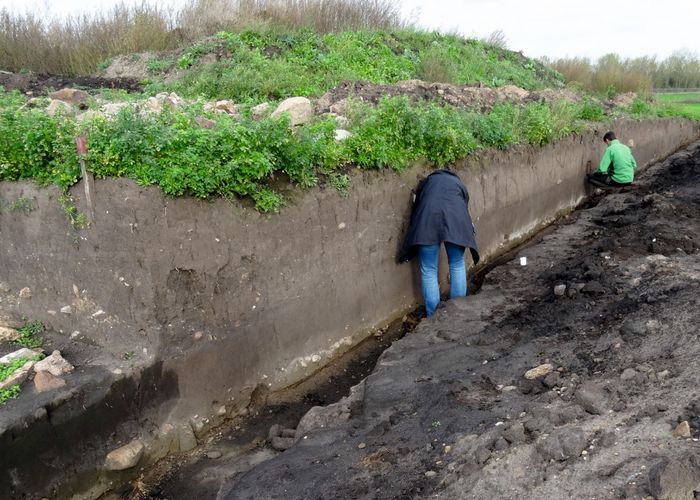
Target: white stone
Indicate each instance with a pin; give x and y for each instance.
(559, 290)
(341, 135)
(125, 457)
(21, 353)
(8, 334)
(55, 107)
(66, 309)
(539, 371)
(25, 293)
(18, 376)
(260, 110)
(112, 109)
(54, 364)
(299, 108)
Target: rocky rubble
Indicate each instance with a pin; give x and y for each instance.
(522, 392)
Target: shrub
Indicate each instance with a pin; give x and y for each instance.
(534, 124)
(591, 110)
(496, 128)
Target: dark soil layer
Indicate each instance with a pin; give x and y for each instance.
(40, 84)
(448, 413)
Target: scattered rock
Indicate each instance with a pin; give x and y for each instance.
(186, 437)
(552, 380)
(562, 444)
(25, 293)
(66, 309)
(225, 106)
(559, 290)
(515, 433)
(663, 375)
(341, 135)
(675, 479)
(281, 443)
(73, 97)
(125, 457)
(59, 107)
(682, 430)
(259, 111)
(430, 473)
(362, 446)
(593, 288)
(45, 381)
(299, 108)
(20, 353)
(540, 371)
(500, 444)
(54, 364)
(213, 455)
(112, 109)
(592, 398)
(205, 122)
(628, 374)
(18, 376)
(482, 454)
(8, 334)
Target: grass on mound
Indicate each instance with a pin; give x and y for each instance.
(273, 64)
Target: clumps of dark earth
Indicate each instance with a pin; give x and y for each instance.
(573, 376)
(39, 84)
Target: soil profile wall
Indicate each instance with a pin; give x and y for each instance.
(224, 299)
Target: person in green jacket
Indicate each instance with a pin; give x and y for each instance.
(617, 165)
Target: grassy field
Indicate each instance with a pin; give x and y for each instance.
(687, 102)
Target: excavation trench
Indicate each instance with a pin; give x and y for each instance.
(180, 313)
(242, 442)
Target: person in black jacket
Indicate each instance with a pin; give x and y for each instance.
(440, 215)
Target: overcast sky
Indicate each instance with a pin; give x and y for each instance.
(553, 28)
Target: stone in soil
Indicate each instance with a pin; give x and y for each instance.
(45, 381)
(55, 364)
(125, 457)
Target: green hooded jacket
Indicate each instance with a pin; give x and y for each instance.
(618, 162)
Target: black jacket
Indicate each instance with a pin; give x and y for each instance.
(440, 213)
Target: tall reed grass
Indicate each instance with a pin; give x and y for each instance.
(77, 44)
(611, 73)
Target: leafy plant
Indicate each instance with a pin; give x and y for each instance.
(28, 334)
(10, 393)
(591, 110)
(77, 219)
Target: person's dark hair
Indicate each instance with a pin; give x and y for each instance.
(609, 136)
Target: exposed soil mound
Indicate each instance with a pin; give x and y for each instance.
(477, 98)
(39, 84)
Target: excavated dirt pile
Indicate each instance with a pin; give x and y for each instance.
(39, 84)
(572, 376)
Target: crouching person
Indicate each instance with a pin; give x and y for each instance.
(616, 167)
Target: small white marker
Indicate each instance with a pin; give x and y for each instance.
(523, 261)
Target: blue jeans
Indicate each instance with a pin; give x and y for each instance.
(428, 256)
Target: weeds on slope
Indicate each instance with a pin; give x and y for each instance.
(241, 157)
(270, 64)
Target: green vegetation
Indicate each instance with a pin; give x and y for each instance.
(10, 393)
(611, 73)
(79, 44)
(681, 103)
(273, 64)
(239, 157)
(6, 370)
(21, 204)
(29, 332)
